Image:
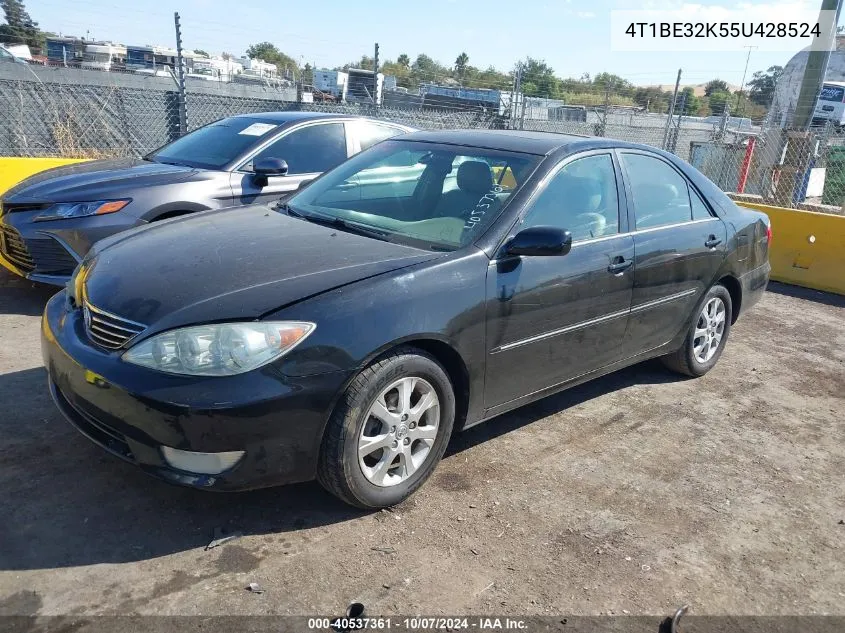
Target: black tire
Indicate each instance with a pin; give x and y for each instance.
(338, 470)
(683, 360)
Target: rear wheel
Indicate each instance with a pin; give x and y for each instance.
(389, 431)
(707, 336)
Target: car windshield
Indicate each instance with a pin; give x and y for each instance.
(427, 195)
(215, 145)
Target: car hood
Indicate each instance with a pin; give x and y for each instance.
(237, 263)
(94, 180)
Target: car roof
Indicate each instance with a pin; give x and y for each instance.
(540, 143)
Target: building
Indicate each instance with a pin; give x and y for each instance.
(104, 56)
(259, 68)
(64, 50)
(215, 68)
(360, 86)
(333, 82)
(474, 97)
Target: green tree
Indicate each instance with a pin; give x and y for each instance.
(715, 85)
(538, 79)
(401, 71)
(307, 74)
(404, 60)
(199, 51)
(761, 88)
(272, 55)
(613, 85)
(688, 103)
(653, 99)
(718, 100)
(19, 27)
(461, 64)
(365, 63)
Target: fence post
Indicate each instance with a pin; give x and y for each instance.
(183, 110)
(746, 165)
(671, 112)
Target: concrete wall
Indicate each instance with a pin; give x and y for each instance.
(82, 77)
(808, 249)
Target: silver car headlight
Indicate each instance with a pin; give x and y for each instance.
(222, 349)
(68, 210)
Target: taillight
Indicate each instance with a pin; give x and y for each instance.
(769, 233)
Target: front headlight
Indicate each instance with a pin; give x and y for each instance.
(67, 210)
(222, 349)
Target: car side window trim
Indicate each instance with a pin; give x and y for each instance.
(284, 133)
(632, 219)
(621, 196)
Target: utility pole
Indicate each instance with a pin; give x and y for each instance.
(744, 73)
(671, 109)
(183, 114)
(811, 84)
(375, 76)
(798, 147)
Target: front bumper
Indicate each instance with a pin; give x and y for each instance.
(132, 412)
(48, 252)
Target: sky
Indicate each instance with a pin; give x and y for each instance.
(572, 36)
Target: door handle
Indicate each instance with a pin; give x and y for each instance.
(347, 185)
(712, 242)
(620, 265)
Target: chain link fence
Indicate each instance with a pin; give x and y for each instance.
(89, 114)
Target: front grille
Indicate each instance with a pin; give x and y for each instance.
(51, 257)
(108, 330)
(14, 249)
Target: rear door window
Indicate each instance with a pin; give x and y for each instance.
(661, 194)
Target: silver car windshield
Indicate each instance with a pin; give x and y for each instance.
(438, 195)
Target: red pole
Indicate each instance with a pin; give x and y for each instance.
(746, 165)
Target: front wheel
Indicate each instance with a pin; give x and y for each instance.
(389, 430)
(707, 336)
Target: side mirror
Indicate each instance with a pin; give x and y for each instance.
(266, 167)
(540, 240)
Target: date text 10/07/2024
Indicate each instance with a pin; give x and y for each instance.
(415, 624)
(723, 29)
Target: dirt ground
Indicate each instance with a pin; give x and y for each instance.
(633, 494)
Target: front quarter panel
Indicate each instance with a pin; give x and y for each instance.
(441, 300)
(206, 190)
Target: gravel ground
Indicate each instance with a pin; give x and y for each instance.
(632, 494)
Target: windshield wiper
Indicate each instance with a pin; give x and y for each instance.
(335, 222)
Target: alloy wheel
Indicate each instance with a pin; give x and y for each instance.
(399, 431)
(709, 330)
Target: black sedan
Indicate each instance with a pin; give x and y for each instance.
(347, 339)
(48, 222)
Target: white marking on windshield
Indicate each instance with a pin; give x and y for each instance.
(258, 129)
